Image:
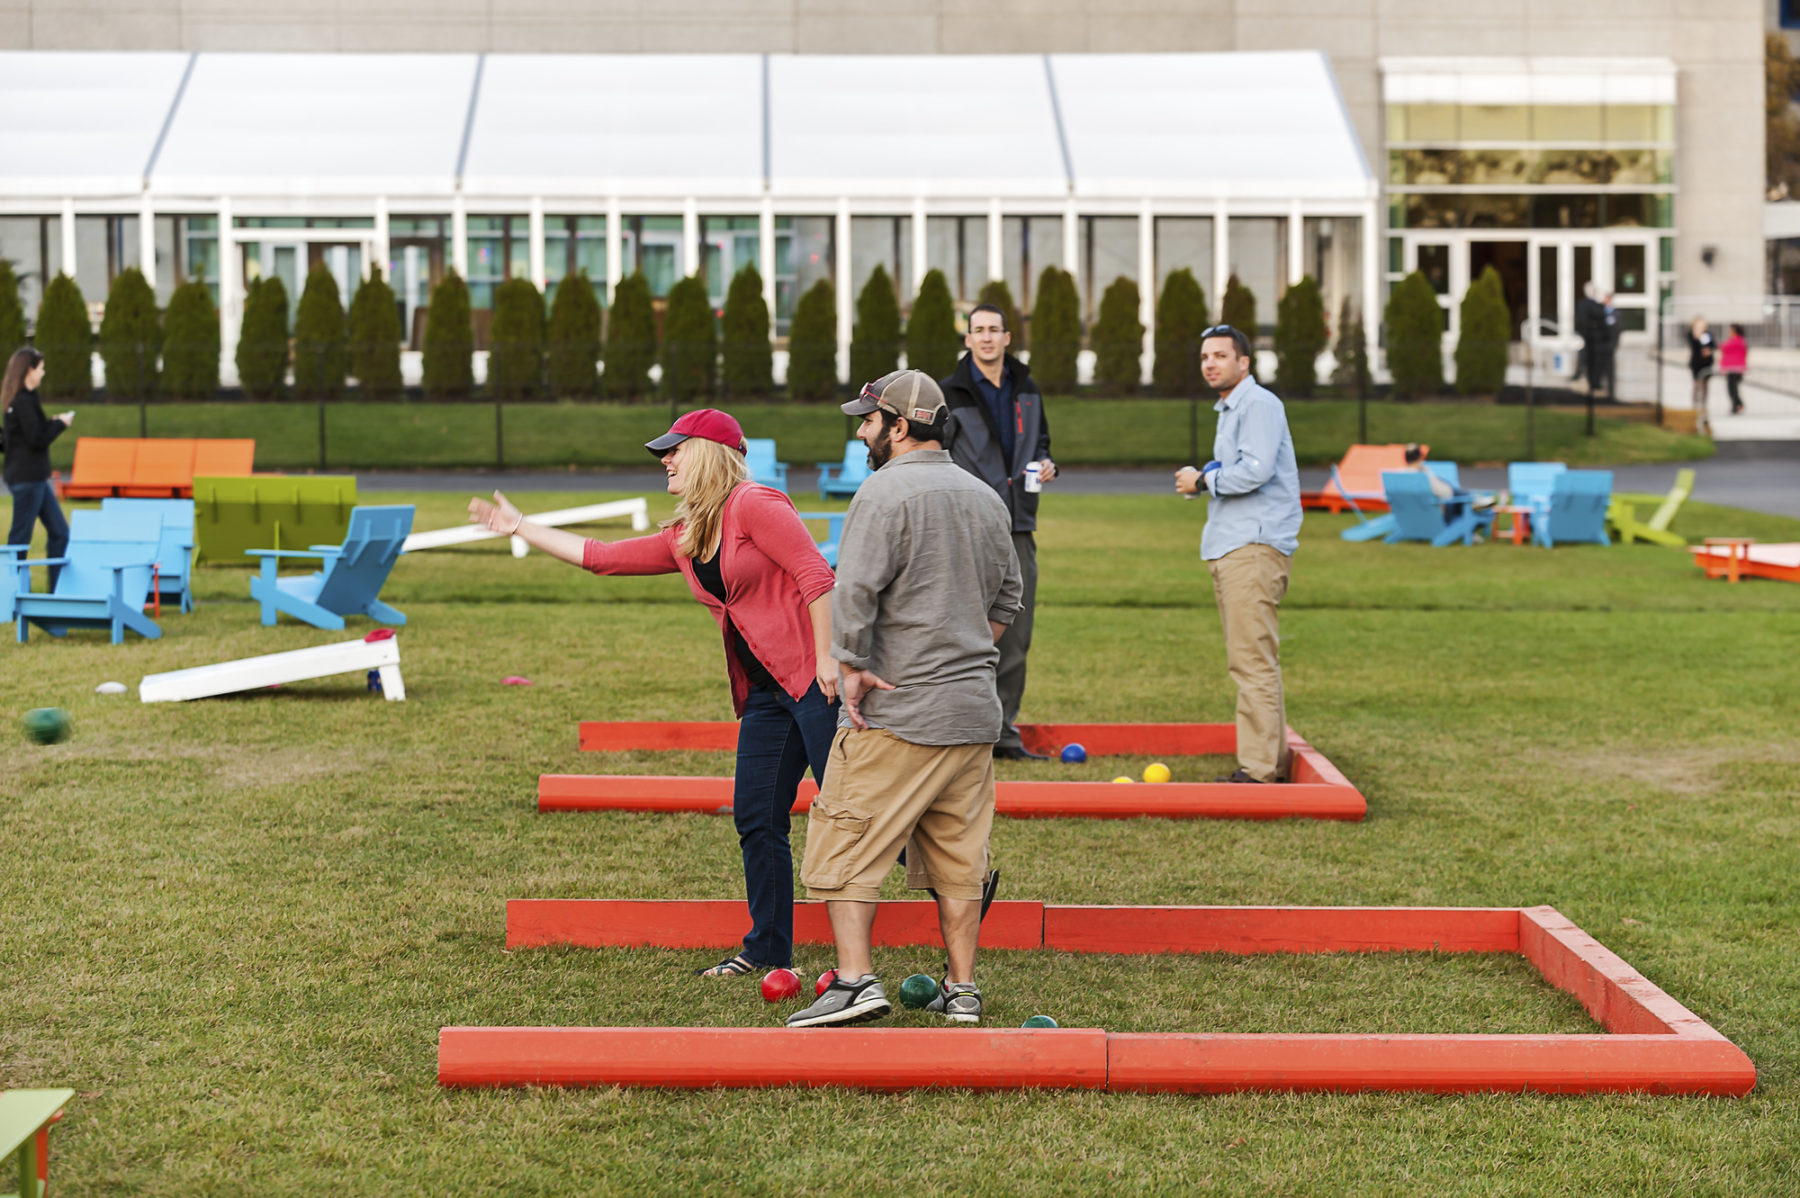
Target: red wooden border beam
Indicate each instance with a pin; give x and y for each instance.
(1250, 930)
(1019, 800)
(616, 923)
(693, 1057)
(1553, 1064)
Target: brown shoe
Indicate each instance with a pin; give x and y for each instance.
(1238, 775)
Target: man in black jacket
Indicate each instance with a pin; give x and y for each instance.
(998, 433)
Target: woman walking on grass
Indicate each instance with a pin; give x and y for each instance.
(28, 433)
(748, 558)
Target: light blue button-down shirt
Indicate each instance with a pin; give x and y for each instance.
(1256, 492)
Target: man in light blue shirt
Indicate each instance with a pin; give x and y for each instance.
(1252, 530)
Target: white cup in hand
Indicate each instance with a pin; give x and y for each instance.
(67, 417)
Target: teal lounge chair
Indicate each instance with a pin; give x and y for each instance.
(352, 578)
(1419, 516)
(1368, 528)
(175, 551)
(105, 578)
(1528, 484)
(759, 455)
(1577, 512)
(841, 479)
(834, 532)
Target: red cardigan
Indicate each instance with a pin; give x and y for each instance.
(772, 570)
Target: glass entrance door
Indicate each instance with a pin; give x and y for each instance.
(414, 268)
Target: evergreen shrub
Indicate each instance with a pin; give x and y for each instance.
(875, 337)
(1055, 332)
(375, 338)
(1180, 319)
(574, 339)
(1118, 339)
(749, 355)
(690, 342)
(262, 348)
(130, 337)
(1352, 352)
(932, 343)
(12, 312)
(630, 339)
(66, 339)
(1481, 346)
(321, 349)
(191, 343)
(516, 341)
(812, 344)
(1415, 326)
(449, 366)
(1300, 337)
(1238, 309)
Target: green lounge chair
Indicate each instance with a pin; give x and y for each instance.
(1621, 515)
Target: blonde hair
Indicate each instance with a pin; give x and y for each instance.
(713, 472)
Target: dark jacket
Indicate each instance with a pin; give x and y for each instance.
(974, 439)
(1700, 353)
(28, 434)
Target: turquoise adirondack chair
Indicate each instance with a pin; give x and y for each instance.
(175, 551)
(841, 479)
(9, 575)
(1529, 485)
(105, 578)
(1368, 528)
(834, 532)
(1419, 516)
(1577, 512)
(759, 455)
(352, 578)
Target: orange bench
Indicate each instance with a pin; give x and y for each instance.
(1361, 473)
(152, 467)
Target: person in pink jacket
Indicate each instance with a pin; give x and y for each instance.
(748, 558)
(1734, 359)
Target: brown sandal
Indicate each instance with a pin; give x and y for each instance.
(730, 967)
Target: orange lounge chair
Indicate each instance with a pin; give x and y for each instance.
(165, 469)
(222, 458)
(103, 465)
(1359, 472)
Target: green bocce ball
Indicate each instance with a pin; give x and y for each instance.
(1039, 1021)
(47, 725)
(918, 990)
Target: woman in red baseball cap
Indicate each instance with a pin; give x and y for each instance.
(749, 559)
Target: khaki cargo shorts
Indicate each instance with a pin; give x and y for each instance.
(882, 794)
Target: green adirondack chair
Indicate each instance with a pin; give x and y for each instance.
(1621, 515)
(269, 511)
(25, 1118)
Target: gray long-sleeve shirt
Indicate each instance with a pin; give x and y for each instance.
(925, 562)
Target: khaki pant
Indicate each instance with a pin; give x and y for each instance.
(1249, 584)
(883, 794)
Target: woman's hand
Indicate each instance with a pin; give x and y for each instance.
(828, 678)
(67, 417)
(499, 516)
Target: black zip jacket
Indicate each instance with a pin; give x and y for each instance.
(973, 438)
(28, 434)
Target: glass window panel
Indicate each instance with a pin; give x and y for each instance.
(1629, 275)
(803, 255)
(1397, 211)
(1111, 249)
(1032, 243)
(1431, 211)
(1431, 122)
(487, 259)
(1566, 122)
(1396, 122)
(1584, 268)
(1186, 241)
(1634, 122)
(1396, 255)
(169, 267)
(1549, 296)
(91, 257)
(1424, 168)
(1569, 168)
(1633, 320)
(1665, 255)
(1496, 122)
(727, 245)
(270, 222)
(1258, 257)
(417, 226)
(1506, 168)
(1665, 124)
(1565, 211)
(1434, 264)
(1632, 211)
(1331, 250)
(884, 241)
(200, 251)
(1632, 167)
(652, 244)
(957, 245)
(1662, 211)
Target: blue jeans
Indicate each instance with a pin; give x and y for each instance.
(33, 502)
(778, 738)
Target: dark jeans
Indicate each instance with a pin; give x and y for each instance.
(1732, 379)
(1015, 643)
(33, 502)
(777, 739)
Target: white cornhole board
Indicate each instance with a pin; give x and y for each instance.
(253, 673)
(637, 509)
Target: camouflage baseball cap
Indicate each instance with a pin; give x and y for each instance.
(911, 394)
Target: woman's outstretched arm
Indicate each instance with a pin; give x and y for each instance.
(502, 517)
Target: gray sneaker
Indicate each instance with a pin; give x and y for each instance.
(959, 1002)
(854, 1001)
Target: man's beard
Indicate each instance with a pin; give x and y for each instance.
(880, 453)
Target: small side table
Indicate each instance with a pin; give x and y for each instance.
(1521, 521)
(1737, 556)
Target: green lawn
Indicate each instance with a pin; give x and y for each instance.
(235, 926)
(1111, 432)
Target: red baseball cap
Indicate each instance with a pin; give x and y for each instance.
(709, 424)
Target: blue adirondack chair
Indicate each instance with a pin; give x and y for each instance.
(1418, 516)
(9, 576)
(1578, 504)
(104, 582)
(834, 532)
(351, 579)
(840, 479)
(759, 455)
(1529, 484)
(175, 551)
(1367, 528)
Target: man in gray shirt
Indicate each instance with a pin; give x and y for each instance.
(927, 582)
